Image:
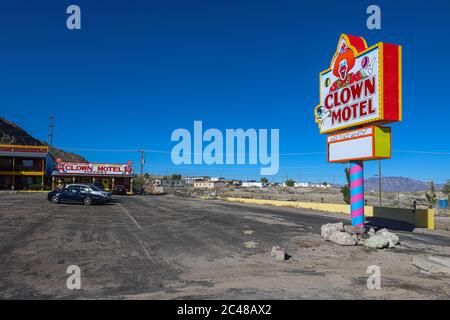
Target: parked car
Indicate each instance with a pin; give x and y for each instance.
(75, 194)
(119, 189)
(104, 193)
(93, 189)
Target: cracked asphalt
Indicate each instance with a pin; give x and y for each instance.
(162, 247)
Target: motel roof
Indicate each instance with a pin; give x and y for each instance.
(16, 151)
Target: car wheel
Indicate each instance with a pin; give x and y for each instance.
(55, 199)
(87, 201)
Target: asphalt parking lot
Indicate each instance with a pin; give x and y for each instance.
(150, 247)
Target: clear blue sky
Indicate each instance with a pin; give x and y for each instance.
(140, 69)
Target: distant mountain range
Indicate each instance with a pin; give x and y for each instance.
(397, 184)
(10, 133)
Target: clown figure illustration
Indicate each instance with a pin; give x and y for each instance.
(344, 63)
(343, 72)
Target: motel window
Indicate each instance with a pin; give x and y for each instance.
(5, 164)
(27, 163)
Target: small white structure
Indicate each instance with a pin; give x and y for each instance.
(236, 183)
(301, 184)
(156, 182)
(191, 180)
(254, 184)
(172, 183)
(321, 185)
(208, 184)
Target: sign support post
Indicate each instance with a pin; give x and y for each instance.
(357, 193)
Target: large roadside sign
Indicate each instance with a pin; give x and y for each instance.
(361, 86)
(360, 90)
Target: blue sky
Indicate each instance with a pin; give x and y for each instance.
(137, 70)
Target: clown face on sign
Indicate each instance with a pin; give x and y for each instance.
(343, 66)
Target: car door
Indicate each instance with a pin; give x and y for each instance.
(72, 194)
(85, 191)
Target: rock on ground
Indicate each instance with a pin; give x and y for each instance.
(278, 253)
(391, 237)
(376, 242)
(342, 238)
(328, 229)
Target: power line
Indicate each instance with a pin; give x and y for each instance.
(423, 152)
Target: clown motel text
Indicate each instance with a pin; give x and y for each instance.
(352, 102)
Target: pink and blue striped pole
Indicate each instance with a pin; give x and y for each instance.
(357, 193)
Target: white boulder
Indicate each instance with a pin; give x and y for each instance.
(343, 238)
(391, 237)
(376, 242)
(328, 229)
(278, 253)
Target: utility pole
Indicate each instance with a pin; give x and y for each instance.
(379, 180)
(51, 118)
(142, 160)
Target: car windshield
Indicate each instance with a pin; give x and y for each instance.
(95, 188)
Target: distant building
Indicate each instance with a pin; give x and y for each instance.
(172, 183)
(208, 184)
(320, 185)
(156, 182)
(190, 180)
(24, 166)
(301, 184)
(236, 183)
(254, 184)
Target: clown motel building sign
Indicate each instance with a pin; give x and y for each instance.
(361, 86)
(108, 174)
(359, 92)
(93, 168)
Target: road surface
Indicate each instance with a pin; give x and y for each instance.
(162, 247)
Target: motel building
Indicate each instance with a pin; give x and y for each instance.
(23, 167)
(107, 174)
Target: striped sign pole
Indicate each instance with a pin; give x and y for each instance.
(357, 193)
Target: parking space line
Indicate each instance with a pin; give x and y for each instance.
(130, 216)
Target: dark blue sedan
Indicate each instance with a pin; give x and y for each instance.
(75, 194)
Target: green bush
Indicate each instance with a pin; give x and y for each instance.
(345, 190)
